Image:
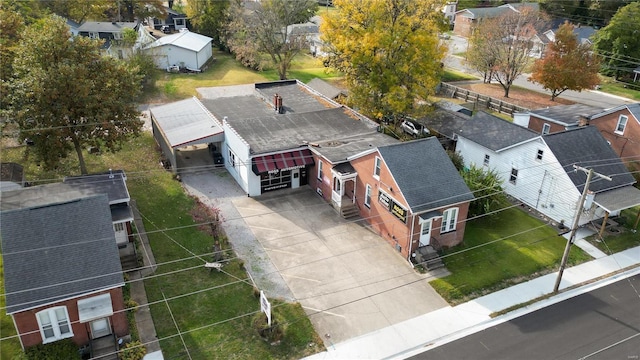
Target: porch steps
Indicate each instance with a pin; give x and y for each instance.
(349, 212)
(129, 262)
(104, 348)
(429, 258)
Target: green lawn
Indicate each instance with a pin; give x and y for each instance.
(510, 260)
(613, 243)
(619, 89)
(8, 348)
(230, 306)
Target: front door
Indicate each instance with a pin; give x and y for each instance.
(425, 233)
(100, 328)
(338, 191)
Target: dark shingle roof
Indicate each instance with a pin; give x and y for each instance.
(445, 122)
(324, 88)
(566, 115)
(10, 171)
(494, 133)
(58, 251)
(586, 147)
(426, 177)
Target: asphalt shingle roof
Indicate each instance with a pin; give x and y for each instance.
(426, 176)
(494, 133)
(58, 251)
(566, 114)
(586, 147)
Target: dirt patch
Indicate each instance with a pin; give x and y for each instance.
(522, 97)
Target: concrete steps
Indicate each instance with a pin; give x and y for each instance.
(349, 211)
(429, 258)
(104, 348)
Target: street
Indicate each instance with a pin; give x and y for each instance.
(602, 324)
(458, 45)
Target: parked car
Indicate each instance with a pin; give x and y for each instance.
(414, 129)
(165, 29)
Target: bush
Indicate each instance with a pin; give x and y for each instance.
(273, 333)
(63, 349)
(486, 187)
(133, 351)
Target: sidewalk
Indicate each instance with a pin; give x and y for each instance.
(450, 323)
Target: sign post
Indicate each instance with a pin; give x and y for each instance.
(265, 306)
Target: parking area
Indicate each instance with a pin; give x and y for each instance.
(348, 279)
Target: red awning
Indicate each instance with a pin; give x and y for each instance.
(282, 161)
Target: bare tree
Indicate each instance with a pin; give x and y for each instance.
(507, 41)
(257, 28)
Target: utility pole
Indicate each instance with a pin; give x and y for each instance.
(576, 221)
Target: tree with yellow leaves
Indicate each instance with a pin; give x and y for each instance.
(388, 50)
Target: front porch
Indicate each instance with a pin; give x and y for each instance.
(343, 191)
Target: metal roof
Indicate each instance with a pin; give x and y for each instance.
(184, 39)
(185, 121)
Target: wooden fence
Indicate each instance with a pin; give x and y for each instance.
(480, 100)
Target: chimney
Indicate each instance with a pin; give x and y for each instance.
(280, 107)
(583, 120)
(170, 3)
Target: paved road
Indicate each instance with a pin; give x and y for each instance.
(458, 45)
(602, 324)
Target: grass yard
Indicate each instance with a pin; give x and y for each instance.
(218, 320)
(225, 70)
(11, 347)
(609, 85)
(613, 243)
(509, 260)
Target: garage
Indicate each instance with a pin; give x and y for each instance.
(186, 129)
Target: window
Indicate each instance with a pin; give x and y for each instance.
(54, 324)
(546, 128)
(514, 176)
(94, 35)
(539, 154)
(232, 159)
(449, 219)
(118, 227)
(179, 22)
(622, 124)
(376, 169)
(367, 196)
(117, 35)
(320, 170)
(486, 160)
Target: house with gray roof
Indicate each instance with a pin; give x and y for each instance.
(556, 118)
(62, 274)
(286, 134)
(111, 33)
(466, 19)
(414, 193)
(538, 169)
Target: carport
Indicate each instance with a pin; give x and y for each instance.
(614, 201)
(181, 124)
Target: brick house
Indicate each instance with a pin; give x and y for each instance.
(555, 118)
(621, 127)
(467, 19)
(62, 274)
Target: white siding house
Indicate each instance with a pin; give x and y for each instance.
(538, 169)
(184, 49)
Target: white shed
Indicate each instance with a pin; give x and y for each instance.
(184, 49)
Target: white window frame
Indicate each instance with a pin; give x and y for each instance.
(546, 128)
(377, 165)
(319, 170)
(117, 35)
(232, 159)
(94, 35)
(367, 196)
(513, 177)
(55, 323)
(487, 158)
(622, 124)
(539, 154)
(449, 220)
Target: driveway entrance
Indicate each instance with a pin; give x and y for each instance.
(347, 278)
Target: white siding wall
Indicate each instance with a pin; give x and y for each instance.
(167, 55)
(203, 55)
(541, 184)
(241, 171)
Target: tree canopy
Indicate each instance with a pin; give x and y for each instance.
(65, 95)
(557, 70)
(208, 17)
(257, 28)
(388, 50)
(619, 42)
(506, 42)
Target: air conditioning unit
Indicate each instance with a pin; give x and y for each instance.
(319, 191)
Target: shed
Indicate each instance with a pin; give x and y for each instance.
(184, 49)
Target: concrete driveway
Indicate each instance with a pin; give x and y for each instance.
(348, 279)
